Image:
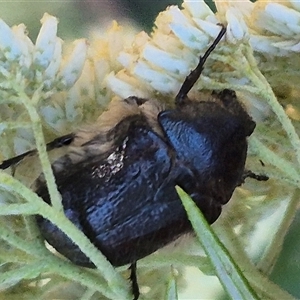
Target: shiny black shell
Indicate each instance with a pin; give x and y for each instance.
(124, 199)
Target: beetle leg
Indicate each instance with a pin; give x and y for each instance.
(56, 143)
(250, 174)
(134, 283)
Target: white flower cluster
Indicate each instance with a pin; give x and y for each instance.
(162, 61)
(40, 62)
(276, 27)
(65, 84)
(26, 68)
(74, 88)
(156, 65)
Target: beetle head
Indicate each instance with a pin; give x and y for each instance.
(210, 137)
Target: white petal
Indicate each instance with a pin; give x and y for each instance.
(278, 19)
(164, 60)
(178, 16)
(8, 43)
(102, 68)
(294, 28)
(168, 43)
(85, 84)
(211, 29)
(125, 59)
(74, 65)
(198, 9)
(54, 116)
(54, 65)
(266, 45)
(22, 144)
(276, 27)
(159, 81)
(236, 29)
(190, 36)
(46, 41)
(4, 71)
(291, 45)
(25, 44)
(185, 30)
(295, 47)
(282, 13)
(124, 89)
(72, 106)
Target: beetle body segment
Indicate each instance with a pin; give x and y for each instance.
(124, 198)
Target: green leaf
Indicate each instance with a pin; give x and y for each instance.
(172, 287)
(229, 274)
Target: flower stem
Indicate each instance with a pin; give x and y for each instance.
(30, 105)
(265, 91)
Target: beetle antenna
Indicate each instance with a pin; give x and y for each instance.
(195, 74)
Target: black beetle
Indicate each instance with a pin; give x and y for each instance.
(118, 180)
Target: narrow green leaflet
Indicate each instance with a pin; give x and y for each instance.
(171, 293)
(229, 274)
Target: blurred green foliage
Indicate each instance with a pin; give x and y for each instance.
(76, 17)
(289, 261)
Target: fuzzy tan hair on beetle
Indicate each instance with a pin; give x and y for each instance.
(117, 180)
